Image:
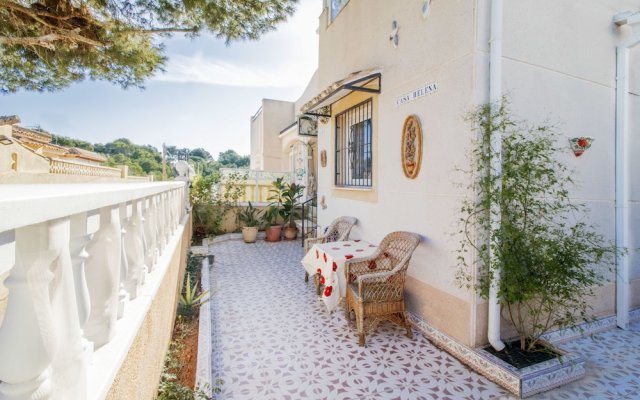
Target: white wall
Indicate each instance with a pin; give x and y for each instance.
(560, 69)
(634, 151)
(359, 39)
(266, 154)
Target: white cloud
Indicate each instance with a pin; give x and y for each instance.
(283, 58)
(201, 69)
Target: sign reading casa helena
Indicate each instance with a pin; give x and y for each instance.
(417, 93)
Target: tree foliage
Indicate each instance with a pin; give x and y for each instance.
(46, 45)
(231, 159)
(147, 160)
(549, 259)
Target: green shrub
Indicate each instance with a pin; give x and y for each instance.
(549, 260)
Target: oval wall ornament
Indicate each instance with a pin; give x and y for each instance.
(411, 147)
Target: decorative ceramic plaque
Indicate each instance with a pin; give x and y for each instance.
(323, 158)
(411, 147)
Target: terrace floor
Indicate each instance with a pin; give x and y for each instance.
(272, 338)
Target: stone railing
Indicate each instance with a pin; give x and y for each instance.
(76, 168)
(140, 178)
(256, 184)
(83, 266)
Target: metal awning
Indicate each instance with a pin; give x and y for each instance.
(368, 81)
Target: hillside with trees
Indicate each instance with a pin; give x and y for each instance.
(147, 160)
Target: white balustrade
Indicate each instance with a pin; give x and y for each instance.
(151, 233)
(134, 248)
(69, 249)
(102, 269)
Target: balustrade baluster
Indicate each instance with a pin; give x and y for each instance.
(150, 234)
(162, 226)
(134, 248)
(80, 237)
(40, 333)
(123, 295)
(103, 277)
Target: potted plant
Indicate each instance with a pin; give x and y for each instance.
(271, 227)
(274, 210)
(528, 237)
(249, 218)
(291, 194)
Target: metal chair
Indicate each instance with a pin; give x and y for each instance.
(375, 289)
(336, 232)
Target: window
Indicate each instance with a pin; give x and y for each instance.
(335, 7)
(353, 146)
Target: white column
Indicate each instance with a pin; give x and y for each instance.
(134, 249)
(103, 277)
(69, 363)
(150, 234)
(80, 237)
(123, 295)
(161, 225)
(40, 342)
(27, 352)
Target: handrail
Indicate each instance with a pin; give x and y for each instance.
(311, 207)
(65, 167)
(77, 258)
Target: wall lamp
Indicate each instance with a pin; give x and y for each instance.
(5, 140)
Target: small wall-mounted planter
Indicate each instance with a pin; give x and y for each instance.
(526, 382)
(580, 144)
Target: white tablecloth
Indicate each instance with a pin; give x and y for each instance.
(328, 260)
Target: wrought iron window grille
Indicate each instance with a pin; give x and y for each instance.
(353, 151)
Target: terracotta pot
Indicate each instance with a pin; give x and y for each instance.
(273, 233)
(249, 234)
(290, 233)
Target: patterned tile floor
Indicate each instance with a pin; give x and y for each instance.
(274, 339)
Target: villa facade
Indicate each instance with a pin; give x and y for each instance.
(558, 62)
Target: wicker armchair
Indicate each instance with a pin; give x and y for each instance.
(338, 231)
(375, 289)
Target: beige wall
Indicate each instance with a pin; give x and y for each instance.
(139, 375)
(266, 153)
(564, 74)
(428, 204)
(257, 131)
(15, 158)
(558, 65)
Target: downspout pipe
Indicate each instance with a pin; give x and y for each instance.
(495, 99)
(631, 19)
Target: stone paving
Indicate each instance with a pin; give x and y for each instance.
(272, 338)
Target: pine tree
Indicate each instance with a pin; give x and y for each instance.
(46, 45)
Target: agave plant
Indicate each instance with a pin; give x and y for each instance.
(189, 299)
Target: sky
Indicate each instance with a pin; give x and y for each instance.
(205, 98)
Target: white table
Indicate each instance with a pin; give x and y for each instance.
(328, 259)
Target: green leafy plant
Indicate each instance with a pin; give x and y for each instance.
(249, 216)
(211, 204)
(270, 216)
(194, 263)
(190, 299)
(549, 260)
(291, 195)
(284, 197)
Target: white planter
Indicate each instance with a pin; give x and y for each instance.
(249, 234)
